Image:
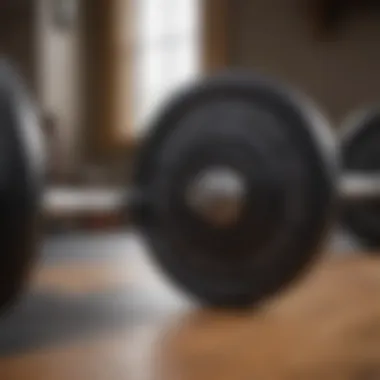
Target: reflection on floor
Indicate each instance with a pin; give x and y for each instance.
(86, 284)
(97, 308)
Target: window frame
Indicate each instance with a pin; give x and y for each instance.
(103, 135)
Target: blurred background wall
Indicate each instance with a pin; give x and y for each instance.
(334, 57)
(85, 60)
(47, 53)
(60, 88)
(18, 38)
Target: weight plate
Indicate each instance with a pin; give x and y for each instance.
(360, 137)
(276, 155)
(21, 170)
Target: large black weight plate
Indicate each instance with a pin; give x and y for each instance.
(360, 141)
(282, 148)
(20, 183)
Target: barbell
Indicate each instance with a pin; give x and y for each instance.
(234, 187)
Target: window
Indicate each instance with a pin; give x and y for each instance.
(163, 53)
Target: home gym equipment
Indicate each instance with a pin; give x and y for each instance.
(234, 187)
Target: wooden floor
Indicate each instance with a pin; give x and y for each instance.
(110, 316)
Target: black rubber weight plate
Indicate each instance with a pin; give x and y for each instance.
(360, 142)
(20, 183)
(258, 129)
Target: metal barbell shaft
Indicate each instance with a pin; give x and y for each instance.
(65, 200)
(359, 186)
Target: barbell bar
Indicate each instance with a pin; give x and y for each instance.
(359, 186)
(59, 201)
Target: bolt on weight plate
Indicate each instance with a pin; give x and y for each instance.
(359, 140)
(21, 172)
(279, 148)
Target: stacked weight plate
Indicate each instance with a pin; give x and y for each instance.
(275, 148)
(359, 138)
